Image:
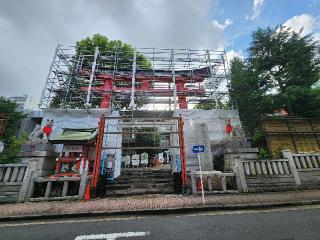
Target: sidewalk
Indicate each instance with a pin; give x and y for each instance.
(156, 203)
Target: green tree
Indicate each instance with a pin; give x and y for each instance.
(112, 47)
(148, 140)
(12, 143)
(279, 72)
(9, 107)
(208, 105)
(280, 60)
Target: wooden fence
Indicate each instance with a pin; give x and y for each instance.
(293, 133)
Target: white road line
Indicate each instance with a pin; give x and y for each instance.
(111, 236)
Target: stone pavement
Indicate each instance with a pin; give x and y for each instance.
(154, 202)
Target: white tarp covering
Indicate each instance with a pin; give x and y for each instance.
(79, 118)
(113, 140)
(214, 121)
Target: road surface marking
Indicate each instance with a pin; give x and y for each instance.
(111, 236)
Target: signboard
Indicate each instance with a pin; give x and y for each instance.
(198, 148)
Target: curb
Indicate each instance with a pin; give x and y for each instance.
(160, 211)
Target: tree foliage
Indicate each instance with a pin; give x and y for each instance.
(148, 140)
(9, 107)
(208, 105)
(279, 72)
(12, 143)
(123, 51)
(12, 149)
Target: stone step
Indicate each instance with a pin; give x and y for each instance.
(126, 192)
(144, 176)
(150, 180)
(143, 173)
(9, 197)
(135, 181)
(144, 170)
(158, 186)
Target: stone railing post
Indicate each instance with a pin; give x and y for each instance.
(28, 181)
(240, 175)
(287, 154)
(193, 182)
(83, 184)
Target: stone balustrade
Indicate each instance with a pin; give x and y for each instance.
(213, 181)
(11, 179)
(306, 160)
(12, 173)
(266, 167)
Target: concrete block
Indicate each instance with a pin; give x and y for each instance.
(31, 147)
(241, 150)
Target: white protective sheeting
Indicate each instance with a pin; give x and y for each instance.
(214, 121)
(114, 140)
(79, 118)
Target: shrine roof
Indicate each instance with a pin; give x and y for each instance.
(76, 136)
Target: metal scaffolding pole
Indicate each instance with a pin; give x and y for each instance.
(133, 79)
(96, 53)
(174, 80)
(122, 77)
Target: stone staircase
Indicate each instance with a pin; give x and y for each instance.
(137, 181)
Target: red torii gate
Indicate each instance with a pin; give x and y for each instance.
(144, 86)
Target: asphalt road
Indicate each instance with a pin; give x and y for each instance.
(276, 224)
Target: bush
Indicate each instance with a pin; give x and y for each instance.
(12, 148)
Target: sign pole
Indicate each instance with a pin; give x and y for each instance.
(201, 179)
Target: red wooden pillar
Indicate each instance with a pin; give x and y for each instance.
(106, 97)
(97, 160)
(182, 152)
(183, 103)
(181, 99)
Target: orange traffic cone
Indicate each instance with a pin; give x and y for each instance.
(87, 193)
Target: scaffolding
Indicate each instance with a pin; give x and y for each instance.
(142, 78)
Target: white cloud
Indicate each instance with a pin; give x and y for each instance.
(257, 4)
(227, 22)
(31, 29)
(232, 54)
(305, 24)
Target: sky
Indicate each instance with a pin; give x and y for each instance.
(31, 29)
